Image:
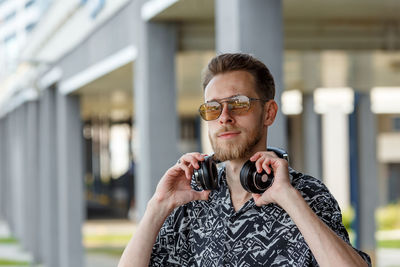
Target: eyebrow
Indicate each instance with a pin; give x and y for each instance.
(218, 100)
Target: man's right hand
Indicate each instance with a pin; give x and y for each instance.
(172, 191)
(174, 188)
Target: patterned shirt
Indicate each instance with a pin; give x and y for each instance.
(212, 233)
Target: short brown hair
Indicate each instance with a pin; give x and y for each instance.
(265, 86)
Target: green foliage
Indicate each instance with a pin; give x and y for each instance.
(388, 217)
(116, 252)
(348, 217)
(8, 240)
(122, 238)
(389, 243)
(4, 262)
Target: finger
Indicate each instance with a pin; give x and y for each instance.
(186, 169)
(203, 195)
(281, 162)
(199, 156)
(256, 156)
(257, 199)
(277, 165)
(194, 163)
(260, 199)
(259, 163)
(192, 158)
(256, 196)
(266, 166)
(175, 170)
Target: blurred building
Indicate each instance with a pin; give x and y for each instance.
(98, 84)
(17, 19)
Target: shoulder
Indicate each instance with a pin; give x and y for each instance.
(317, 195)
(310, 187)
(303, 181)
(320, 200)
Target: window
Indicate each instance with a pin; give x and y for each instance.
(30, 27)
(11, 50)
(29, 3)
(10, 38)
(97, 8)
(10, 16)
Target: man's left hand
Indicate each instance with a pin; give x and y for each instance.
(269, 161)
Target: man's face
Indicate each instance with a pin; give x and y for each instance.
(236, 136)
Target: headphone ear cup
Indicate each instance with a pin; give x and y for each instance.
(244, 174)
(252, 181)
(207, 175)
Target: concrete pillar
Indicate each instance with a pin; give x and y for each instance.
(9, 175)
(311, 78)
(16, 152)
(335, 150)
(70, 180)
(336, 100)
(311, 138)
(33, 190)
(368, 174)
(13, 152)
(3, 186)
(335, 104)
(155, 102)
(6, 170)
(311, 70)
(255, 27)
(24, 176)
(48, 181)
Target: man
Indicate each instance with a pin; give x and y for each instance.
(295, 222)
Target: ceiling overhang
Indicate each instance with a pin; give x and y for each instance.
(308, 25)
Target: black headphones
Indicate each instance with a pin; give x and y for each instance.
(206, 176)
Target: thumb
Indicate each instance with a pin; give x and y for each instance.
(202, 195)
(257, 199)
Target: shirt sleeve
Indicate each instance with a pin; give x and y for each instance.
(164, 245)
(325, 206)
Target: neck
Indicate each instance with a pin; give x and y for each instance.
(233, 168)
(239, 196)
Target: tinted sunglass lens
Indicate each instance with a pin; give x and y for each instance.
(240, 104)
(210, 111)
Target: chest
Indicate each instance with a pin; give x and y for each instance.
(256, 237)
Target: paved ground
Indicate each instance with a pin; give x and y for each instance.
(11, 251)
(388, 257)
(385, 257)
(100, 260)
(93, 228)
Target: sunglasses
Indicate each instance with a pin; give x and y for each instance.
(237, 105)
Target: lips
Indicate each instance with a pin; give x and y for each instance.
(228, 134)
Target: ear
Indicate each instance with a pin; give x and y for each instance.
(270, 110)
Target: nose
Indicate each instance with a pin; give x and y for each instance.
(225, 116)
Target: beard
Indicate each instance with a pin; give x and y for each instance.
(234, 149)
